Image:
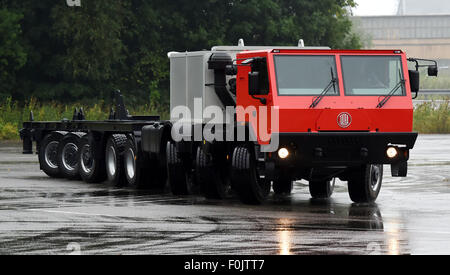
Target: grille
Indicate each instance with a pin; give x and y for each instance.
(344, 141)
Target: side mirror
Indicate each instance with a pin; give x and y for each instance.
(414, 81)
(433, 70)
(253, 83)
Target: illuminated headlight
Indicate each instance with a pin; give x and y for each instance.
(392, 152)
(283, 153)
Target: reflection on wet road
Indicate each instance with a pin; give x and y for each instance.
(39, 215)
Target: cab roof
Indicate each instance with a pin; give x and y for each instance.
(324, 51)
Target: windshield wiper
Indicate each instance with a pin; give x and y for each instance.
(392, 92)
(325, 91)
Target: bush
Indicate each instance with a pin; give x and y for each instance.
(8, 131)
(12, 114)
(431, 118)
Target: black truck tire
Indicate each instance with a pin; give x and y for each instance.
(67, 156)
(321, 189)
(48, 154)
(137, 167)
(283, 185)
(91, 167)
(115, 170)
(365, 183)
(245, 178)
(177, 176)
(213, 181)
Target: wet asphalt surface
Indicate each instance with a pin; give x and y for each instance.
(39, 215)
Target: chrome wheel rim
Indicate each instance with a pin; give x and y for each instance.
(112, 159)
(69, 156)
(130, 163)
(375, 177)
(87, 161)
(51, 153)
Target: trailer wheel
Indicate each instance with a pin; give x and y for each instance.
(212, 178)
(114, 160)
(48, 154)
(250, 187)
(283, 185)
(178, 178)
(322, 189)
(67, 156)
(137, 167)
(91, 168)
(365, 183)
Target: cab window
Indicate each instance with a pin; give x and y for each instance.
(372, 75)
(260, 65)
(305, 75)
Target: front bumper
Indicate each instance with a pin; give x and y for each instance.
(325, 149)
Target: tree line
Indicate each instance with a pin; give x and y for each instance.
(54, 52)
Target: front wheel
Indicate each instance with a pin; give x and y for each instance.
(365, 183)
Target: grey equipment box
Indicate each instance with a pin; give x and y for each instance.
(191, 79)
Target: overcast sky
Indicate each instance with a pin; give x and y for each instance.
(376, 7)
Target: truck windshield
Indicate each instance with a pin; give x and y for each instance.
(372, 75)
(305, 75)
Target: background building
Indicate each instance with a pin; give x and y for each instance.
(421, 28)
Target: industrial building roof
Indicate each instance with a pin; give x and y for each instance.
(421, 7)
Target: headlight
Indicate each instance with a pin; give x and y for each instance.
(283, 153)
(392, 152)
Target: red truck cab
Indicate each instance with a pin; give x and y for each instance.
(342, 114)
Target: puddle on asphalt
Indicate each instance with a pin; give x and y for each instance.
(286, 222)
